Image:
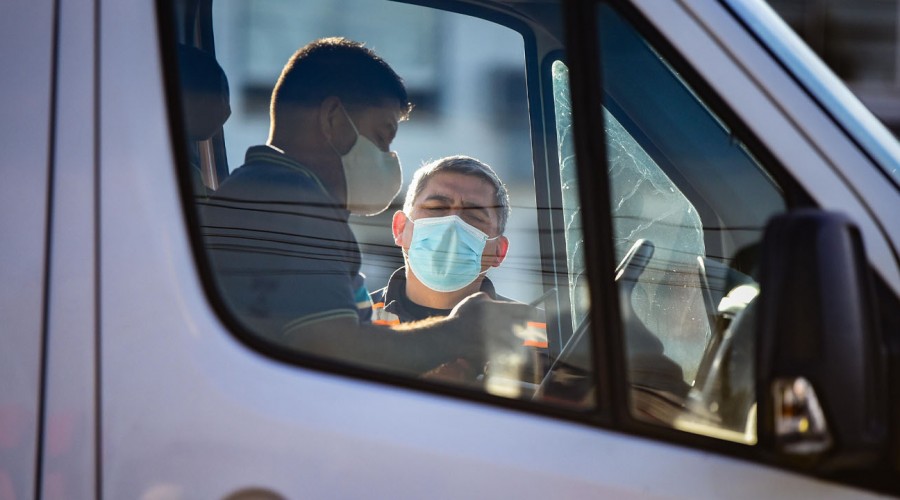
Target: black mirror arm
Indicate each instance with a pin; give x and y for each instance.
(821, 384)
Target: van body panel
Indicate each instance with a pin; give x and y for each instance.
(822, 83)
(189, 411)
(69, 451)
(126, 383)
(807, 142)
(26, 53)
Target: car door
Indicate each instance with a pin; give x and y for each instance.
(194, 404)
(27, 53)
(695, 163)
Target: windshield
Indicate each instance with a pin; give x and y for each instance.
(822, 83)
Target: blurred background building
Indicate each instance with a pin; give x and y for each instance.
(466, 77)
(858, 40)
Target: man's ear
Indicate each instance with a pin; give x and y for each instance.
(499, 253)
(398, 226)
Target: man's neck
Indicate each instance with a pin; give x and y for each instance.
(326, 165)
(424, 296)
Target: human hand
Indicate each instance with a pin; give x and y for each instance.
(486, 329)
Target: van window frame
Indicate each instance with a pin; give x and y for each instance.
(611, 408)
(587, 104)
(168, 40)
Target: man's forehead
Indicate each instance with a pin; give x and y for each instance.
(471, 188)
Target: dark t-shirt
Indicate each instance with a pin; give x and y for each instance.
(393, 301)
(281, 249)
(391, 306)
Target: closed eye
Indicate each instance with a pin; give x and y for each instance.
(473, 217)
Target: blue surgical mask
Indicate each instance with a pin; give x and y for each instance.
(445, 252)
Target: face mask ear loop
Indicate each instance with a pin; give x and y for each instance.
(484, 273)
(404, 251)
(350, 120)
(331, 145)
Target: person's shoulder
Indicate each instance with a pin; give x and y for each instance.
(261, 181)
(487, 286)
(503, 298)
(272, 179)
(394, 289)
(379, 296)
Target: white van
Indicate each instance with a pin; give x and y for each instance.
(708, 219)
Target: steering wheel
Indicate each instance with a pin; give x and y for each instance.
(628, 272)
(630, 269)
(644, 349)
(639, 339)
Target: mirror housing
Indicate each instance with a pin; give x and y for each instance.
(821, 369)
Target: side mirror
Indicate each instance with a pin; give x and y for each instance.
(821, 371)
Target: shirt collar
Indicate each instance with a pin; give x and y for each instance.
(267, 153)
(396, 289)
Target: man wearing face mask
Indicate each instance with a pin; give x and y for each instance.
(451, 233)
(277, 233)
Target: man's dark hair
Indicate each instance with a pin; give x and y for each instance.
(337, 67)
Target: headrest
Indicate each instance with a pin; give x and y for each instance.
(204, 90)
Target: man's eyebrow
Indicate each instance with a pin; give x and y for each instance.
(466, 204)
(438, 197)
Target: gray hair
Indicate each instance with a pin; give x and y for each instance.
(462, 165)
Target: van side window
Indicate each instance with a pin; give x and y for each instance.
(321, 249)
(689, 204)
